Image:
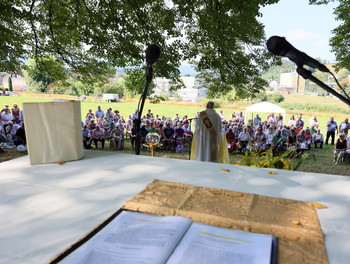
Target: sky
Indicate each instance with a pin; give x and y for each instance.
(307, 27)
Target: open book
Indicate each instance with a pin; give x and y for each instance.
(139, 238)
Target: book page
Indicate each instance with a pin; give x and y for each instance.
(210, 244)
(134, 238)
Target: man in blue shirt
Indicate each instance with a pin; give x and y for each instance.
(257, 119)
(332, 127)
(86, 137)
(169, 133)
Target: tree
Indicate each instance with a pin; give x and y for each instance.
(275, 98)
(340, 41)
(114, 87)
(222, 37)
(274, 72)
(10, 84)
(12, 36)
(40, 74)
(135, 82)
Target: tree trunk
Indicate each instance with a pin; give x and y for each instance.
(10, 84)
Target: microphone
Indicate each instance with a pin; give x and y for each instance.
(152, 54)
(281, 47)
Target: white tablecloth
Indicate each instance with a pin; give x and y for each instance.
(45, 208)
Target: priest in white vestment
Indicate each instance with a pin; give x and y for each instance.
(209, 141)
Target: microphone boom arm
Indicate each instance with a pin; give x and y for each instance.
(306, 74)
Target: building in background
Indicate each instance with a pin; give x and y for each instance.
(274, 85)
(18, 81)
(191, 92)
(291, 82)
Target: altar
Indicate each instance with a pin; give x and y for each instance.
(45, 208)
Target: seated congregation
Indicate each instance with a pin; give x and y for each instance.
(112, 127)
(258, 136)
(254, 134)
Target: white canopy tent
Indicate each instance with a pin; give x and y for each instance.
(265, 107)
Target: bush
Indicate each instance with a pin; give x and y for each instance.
(261, 97)
(177, 96)
(165, 96)
(156, 99)
(315, 108)
(204, 101)
(10, 84)
(275, 98)
(115, 87)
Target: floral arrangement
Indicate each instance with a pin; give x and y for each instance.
(267, 159)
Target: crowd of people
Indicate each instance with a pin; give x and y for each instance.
(273, 133)
(12, 126)
(241, 134)
(100, 126)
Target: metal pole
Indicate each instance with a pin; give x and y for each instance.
(308, 75)
(149, 76)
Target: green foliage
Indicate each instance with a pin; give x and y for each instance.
(322, 76)
(314, 108)
(155, 99)
(117, 87)
(135, 81)
(35, 86)
(223, 38)
(10, 84)
(266, 159)
(229, 97)
(274, 98)
(302, 160)
(264, 97)
(13, 37)
(217, 102)
(79, 88)
(261, 97)
(165, 96)
(340, 41)
(274, 72)
(177, 96)
(47, 74)
(43, 71)
(343, 73)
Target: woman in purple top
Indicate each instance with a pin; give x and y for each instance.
(179, 132)
(179, 136)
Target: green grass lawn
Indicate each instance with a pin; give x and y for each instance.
(9, 154)
(323, 164)
(324, 157)
(168, 110)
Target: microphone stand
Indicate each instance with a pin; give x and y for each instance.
(306, 74)
(149, 76)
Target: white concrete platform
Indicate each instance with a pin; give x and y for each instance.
(45, 208)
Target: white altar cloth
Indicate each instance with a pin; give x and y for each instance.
(45, 208)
